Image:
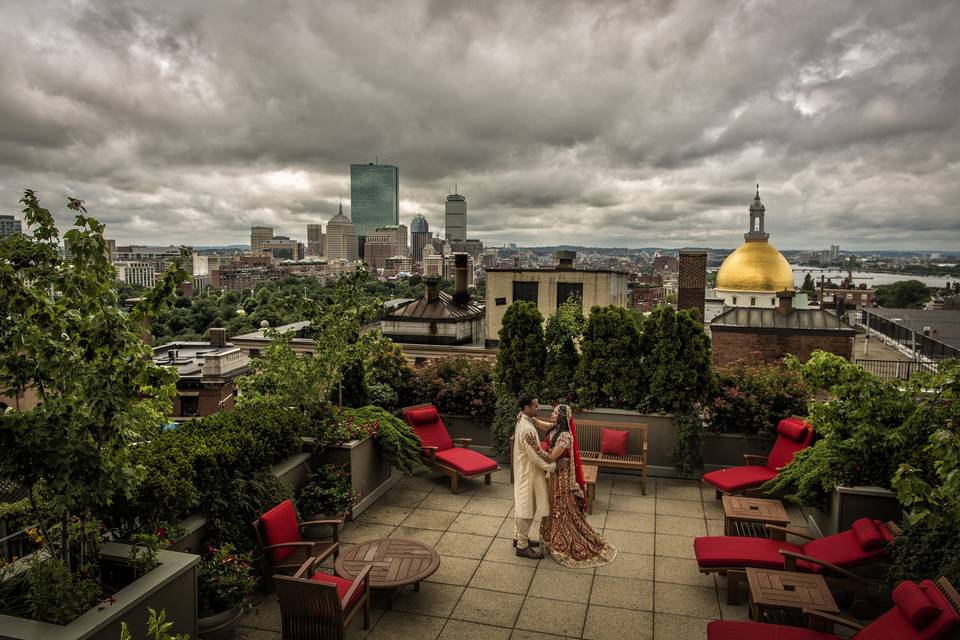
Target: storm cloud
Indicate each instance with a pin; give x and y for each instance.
(591, 123)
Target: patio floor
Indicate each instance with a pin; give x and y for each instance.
(483, 591)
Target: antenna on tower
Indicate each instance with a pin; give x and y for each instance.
(455, 188)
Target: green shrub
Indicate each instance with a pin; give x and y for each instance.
(238, 501)
(564, 329)
(522, 352)
(504, 420)
(57, 595)
(753, 398)
(609, 374)
(458, 385)
(224, 581)
(677, 365)
(389, 376)
(328, 492)
(399, 443)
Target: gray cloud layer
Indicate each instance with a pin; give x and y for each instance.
(610, 123)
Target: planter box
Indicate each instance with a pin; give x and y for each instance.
(171, 586)
(848, 504)
(370, 473)
(721, 450)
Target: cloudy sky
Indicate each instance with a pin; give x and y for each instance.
(595, 123)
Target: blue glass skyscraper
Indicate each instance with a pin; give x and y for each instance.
(374, 196)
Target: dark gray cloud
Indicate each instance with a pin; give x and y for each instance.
(611, 123)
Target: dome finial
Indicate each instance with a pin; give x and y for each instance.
(757, 197)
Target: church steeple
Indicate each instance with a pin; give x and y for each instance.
(756, 232)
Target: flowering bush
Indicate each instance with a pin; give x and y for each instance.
(754, 397)
(400, 445)
(459, 385)
(224, 580)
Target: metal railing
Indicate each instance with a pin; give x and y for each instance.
(898, 369)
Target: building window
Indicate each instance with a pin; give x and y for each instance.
(189, 406)
(753, 302)
(567, 289)
(501, 301)
(734, 300)
(525, 291)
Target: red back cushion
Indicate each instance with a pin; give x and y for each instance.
(895, 625)
(794, 435)
(280, 526)
(613, 442)
(429, 427)
(915, 605)
(868, 534)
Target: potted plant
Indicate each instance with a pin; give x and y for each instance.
(327, 494)
(224, 587)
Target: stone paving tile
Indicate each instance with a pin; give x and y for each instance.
(714, 527)
(625, 485)
(622, 593)
(417, 482)
(713, 511)
(497, 576)
(629, 565)
(489, 506)
(439, 501)
(681, 571)
(433, 599)
(477, 524)
(543, 615)
(506, 529)
(566, 586)
(685, 508)
(396, 625)
(674, 546)
(633, 504)
(678, 489)
(385, 514)
(246, 633)
(607, 623)
(495, 490)
(430, 519)
(454, 570)
(266, 615)
(676, 525)
(464, 545)
(520, 634)
(630, 541)
(626, 521)
(357, 532)
(671, 627)
(732, 611)
(597, 519)
(685, 600)
(356, 631)
(460, 630)
(501, 550)
(488, 607)
(429, 537)
(403, 497)
(502, 476)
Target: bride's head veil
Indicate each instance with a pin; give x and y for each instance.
(563, 423)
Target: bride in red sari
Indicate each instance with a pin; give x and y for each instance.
(565, 533)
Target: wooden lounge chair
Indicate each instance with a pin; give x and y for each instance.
(281, 547)
(793, 434)
(314, 604)
(832, 556)
(438, 450)
(928, 611)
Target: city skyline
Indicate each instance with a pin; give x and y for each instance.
(642, 124)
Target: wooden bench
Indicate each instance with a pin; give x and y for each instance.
(589, 437)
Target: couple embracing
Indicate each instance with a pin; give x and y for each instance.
(549, 489)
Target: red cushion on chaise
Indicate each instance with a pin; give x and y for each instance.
(428, 425)
(467, 461)
(342, 585)
(733, 551)
(788, 444)
(842, 549)
(280, 526)
(738, 478)
(736, 630)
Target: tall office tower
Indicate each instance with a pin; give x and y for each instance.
(314, 239)
(834, 252)
(379, 245)
(260, 236)
(419, 236)
(374, 197)
(403, 243)
(9, 226)
(341, 240)
(455, 218)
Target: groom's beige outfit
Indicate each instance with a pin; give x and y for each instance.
(531, 502)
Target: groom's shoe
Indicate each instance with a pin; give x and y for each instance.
(529, 552)
(532, 543)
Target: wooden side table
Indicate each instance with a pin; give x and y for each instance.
(394, 563)
(781, 596)
(744, 516)
(590, 479)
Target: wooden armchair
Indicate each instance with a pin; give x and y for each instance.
(314, 604)
(281, 546)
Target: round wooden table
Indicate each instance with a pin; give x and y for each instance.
(394, 563)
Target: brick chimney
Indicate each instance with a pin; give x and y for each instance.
(460, 267)
(218, 337)
(433, 288)
(785, 302)
(565, 260)
(692, 281)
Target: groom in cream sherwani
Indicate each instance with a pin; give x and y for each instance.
(530, 469)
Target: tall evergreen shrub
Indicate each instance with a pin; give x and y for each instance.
(564, 329)
(522, 349)
(609, 369)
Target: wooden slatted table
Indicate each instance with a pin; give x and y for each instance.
(590, 479)
(744, 516)
(780, 596)
(394, 563)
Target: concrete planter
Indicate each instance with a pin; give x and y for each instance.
(220, 626)
(172, 586)
(721, 450)
(370, 473)
(848, 504)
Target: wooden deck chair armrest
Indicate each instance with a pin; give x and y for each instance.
(336, 522)
(306, 569)
(948, 590)
(829, 617)
(362, 578)
(303, 544)
(463, 442)
(753, 460)
(893, 528)
(772, 528)
(790, 564)
(431, 452)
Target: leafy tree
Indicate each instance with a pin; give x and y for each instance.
(676, 359)
(905, 294)
(504, 419)
(522, 350)
(388, 374)
(808, 286)
(609, 369)
(564, 329)
(65, 339)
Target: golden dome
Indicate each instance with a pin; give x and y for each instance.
(755, 266)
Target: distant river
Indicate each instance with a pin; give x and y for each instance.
(872, 278)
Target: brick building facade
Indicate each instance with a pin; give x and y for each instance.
(692, 281)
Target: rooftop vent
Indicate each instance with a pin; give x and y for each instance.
(565, 260)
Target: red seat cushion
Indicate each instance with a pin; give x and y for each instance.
(915, 605)
(280, 526)
(842, 549)
(868, 534)
(739, 478)
(735, 630)
(342, 585)
(894, 625)
(467, 462)
(733, 551)
(428, 426)
(613, 442)
(793, 436)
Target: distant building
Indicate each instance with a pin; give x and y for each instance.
(207, 374)
(140, 273)
(205, 264)
(470, 246)
(259, 236)
(419, 236)
(374, 197)
(281, 248)
(9, 226)
(924, 333)
(398, 264)
(315, 240)
(834, 252)
(378, 246)
(455, 218)
(665, 264)
(646, 293)
(341, 240)
(692, 281)
(434, 265)
(548, 287)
